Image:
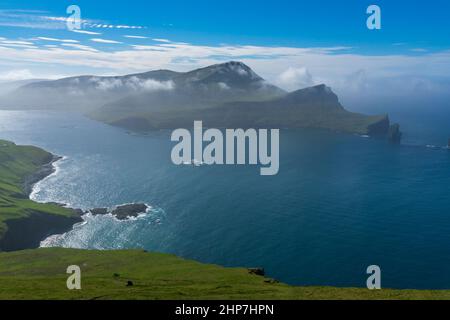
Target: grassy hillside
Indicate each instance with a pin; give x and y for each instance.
(41, 274)
(314, 107)
(16, 164)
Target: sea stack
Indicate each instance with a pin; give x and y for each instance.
(394, 133)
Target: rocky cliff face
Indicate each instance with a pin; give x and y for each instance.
(394, 133)
(28, 232)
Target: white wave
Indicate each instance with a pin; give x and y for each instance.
(37, 187)
(106, 231)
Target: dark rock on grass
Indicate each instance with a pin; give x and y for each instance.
(129, 210)
(97, 211)
(130, 283)
(257, 271)
(271, 281)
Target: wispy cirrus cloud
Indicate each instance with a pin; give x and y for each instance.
(135, 37)
(161, 40)
(80, 47)
(57, 40)
(99, 40)
(37, 19)
(17, 42)
(31, 19)
(86, 32)
(112, 26)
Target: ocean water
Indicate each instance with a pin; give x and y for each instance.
(339, 203)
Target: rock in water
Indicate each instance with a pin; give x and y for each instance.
(129, 210)
(394, 134)
(97, 211)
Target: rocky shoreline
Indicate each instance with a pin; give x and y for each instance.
(43, 172)
(28, 232)
(121, 212)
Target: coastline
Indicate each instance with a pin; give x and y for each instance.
(44, 171)
(28, 231)
(24, 222)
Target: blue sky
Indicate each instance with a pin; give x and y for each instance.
(291, 43)
(289, 23)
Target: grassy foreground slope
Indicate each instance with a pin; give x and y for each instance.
(41, 274)
(17, 164)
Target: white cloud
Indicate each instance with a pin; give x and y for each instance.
(15, 75)
(57, 40)
(135, 37)
(344, 71)
(80, 47)
(105, 41)
(153, 85)
(111, 26)
(419, 50)
(134, 83)
(86, 32)
(161, 40)
(17, 42)
(295, 78)
(36, 19)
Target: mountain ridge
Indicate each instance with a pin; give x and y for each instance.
(228, 94)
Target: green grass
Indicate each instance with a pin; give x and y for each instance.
(16, 163)
(41, 274)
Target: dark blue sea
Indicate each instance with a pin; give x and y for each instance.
(339, 203)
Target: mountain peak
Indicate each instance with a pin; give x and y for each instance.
(231, 68)
(320, 89)
(230, 75)
(312, 95)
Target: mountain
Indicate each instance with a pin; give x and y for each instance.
(156, 90)
(230, 95)
(9, 86)
(314, 107)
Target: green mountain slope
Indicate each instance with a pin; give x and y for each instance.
(314, 107)
(20, 166)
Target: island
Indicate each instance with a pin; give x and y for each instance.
(226, 95)
(123, 212)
